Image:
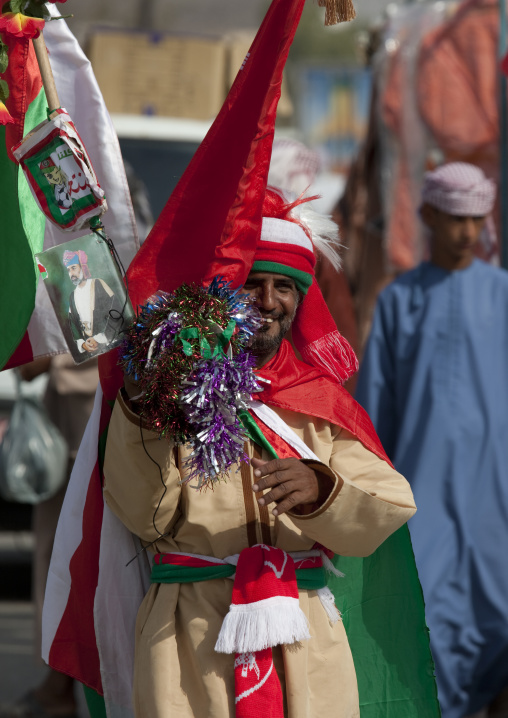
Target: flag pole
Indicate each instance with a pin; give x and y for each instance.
(48, 80)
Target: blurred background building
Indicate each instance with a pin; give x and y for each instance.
(165, 66)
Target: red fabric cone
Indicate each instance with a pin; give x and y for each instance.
(221, 192)
(220, 195)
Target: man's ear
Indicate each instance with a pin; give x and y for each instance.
(428, 215)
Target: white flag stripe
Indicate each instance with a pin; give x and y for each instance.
(44, 331)
(69, 531)
(275, 423)
(119, 585)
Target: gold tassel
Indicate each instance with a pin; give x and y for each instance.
(338, 11)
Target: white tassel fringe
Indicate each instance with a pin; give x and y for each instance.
(328, 603)
(328, 565)
(334, 354)
(263, 624)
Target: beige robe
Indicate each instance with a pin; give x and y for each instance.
(177, 672)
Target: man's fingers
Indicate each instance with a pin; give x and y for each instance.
(269, 467)
(272, 472)
(276, 494)
(271, 480)
(288, 504)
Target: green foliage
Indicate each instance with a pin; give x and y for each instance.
(37, 9)
(4, 58)
(18, 5)
(4, 90)
(32, 8)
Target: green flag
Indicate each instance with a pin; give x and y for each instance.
(381, 602)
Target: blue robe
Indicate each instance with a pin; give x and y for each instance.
(435, 383)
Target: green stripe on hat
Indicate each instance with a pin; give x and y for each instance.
(303, 280)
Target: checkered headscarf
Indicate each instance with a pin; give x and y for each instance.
(460, 189)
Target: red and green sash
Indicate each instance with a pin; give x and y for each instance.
(264, 612)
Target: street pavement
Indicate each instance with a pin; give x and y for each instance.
(19, 669)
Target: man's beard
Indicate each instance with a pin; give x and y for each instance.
(77, 280)
(263, 344)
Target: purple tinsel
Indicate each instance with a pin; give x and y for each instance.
(163, 336)
(213, 394)
(187, 351)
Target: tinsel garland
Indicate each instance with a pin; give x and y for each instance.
(187, 352)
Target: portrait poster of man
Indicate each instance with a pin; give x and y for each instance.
(88, 295)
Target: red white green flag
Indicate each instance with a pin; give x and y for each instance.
(30, 328)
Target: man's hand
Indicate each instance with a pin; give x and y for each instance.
(90, 345)
(291, 482)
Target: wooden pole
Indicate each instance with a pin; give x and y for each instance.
(46, 73)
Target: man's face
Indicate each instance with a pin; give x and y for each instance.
(453, 237)
(277, 298)
(75, 274)
(54, 176)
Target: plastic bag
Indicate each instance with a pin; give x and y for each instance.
(33, 455)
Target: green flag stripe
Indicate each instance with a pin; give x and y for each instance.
(22, 225)
(382, 606)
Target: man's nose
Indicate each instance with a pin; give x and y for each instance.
(469, 228)
(266, 298)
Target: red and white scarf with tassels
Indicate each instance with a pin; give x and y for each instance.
(264, 612)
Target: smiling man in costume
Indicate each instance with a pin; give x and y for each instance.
(347, 499)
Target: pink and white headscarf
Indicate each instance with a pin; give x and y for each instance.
(77, 257)
(460, 189)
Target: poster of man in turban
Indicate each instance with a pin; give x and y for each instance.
(88, 295)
